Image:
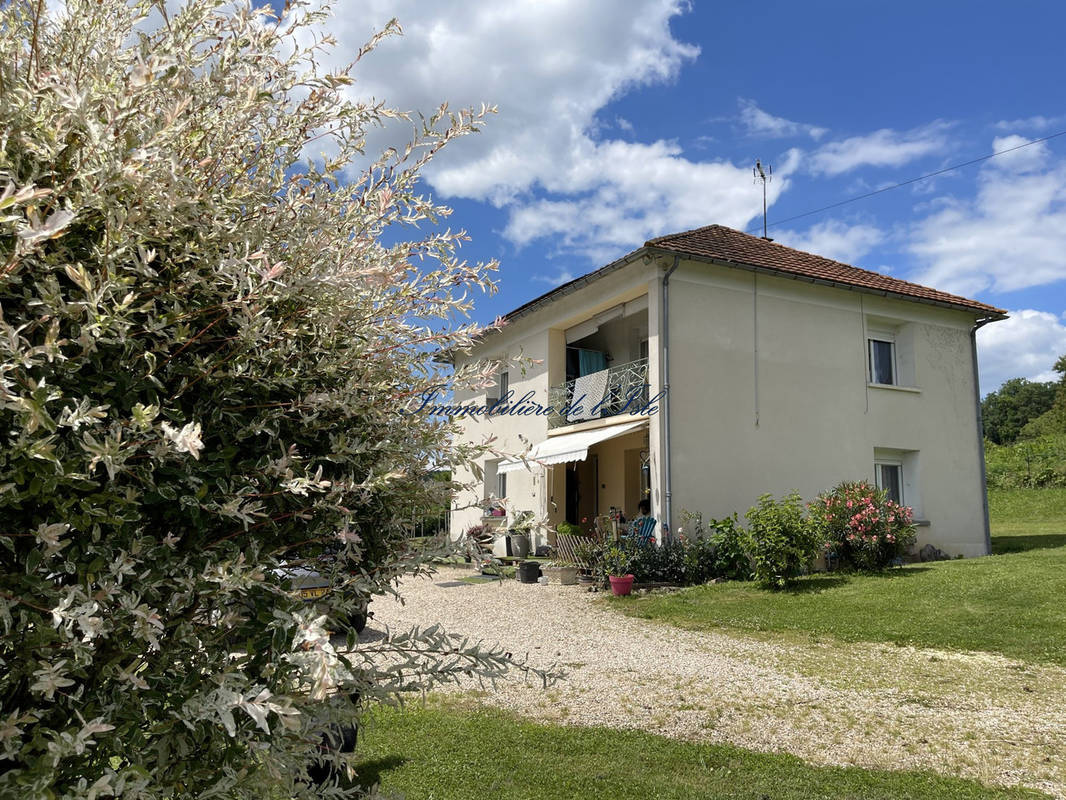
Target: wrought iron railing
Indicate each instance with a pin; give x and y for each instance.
(627, 390)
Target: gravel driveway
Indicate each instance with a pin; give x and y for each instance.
(973, 715)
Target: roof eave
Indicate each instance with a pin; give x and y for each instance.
(985, 313)
(567, 288)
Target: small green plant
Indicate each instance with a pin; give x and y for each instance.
(617, 560)
(862, 526)
(730, 556)
(568, 529)
(779, 540)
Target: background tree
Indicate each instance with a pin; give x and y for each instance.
(1052, 421)
(1005, 411)
(205, 347)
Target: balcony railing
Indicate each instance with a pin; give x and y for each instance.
(624, 383)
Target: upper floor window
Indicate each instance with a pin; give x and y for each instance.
(499, 391)
(891, 352)
(882, 359)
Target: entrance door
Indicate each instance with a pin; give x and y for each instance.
(573, 493)
(634, 485)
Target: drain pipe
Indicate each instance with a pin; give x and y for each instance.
(667, 510)
(980, 430)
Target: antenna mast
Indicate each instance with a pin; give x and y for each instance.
(764, 175)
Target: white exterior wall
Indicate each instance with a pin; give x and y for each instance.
(538, 336)
(524, 489)
(797, 411)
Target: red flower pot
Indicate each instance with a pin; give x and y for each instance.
(621, 584)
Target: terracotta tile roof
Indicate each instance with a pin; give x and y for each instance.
(730, 246)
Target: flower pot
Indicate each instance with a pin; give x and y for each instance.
(567, 576)
(518, 545)
(564, 576)
(621, 584)
(528, 572)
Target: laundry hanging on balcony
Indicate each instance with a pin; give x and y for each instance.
(589, 361)
(588, 393)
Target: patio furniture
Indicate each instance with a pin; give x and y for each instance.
(642, 531)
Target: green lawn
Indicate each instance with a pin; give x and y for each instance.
(1023, 519)
(440, 753)
(1010, 604)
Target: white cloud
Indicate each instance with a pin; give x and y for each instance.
(639, 191)
(1024, 346)
(558, 279)
(761, 123)
(883, 148)
(1008, 237)
(1036, 123)
(552, 68)
(833, 239)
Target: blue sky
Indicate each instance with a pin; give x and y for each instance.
(620, 120)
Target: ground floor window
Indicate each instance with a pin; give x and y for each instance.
(889, 476)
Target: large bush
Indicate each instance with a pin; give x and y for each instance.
(779, 540)
(1028, 463)
(205, 345)
(862, 526)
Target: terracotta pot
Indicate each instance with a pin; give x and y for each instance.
(621, 584)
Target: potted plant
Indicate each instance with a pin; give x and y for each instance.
(561, 573)
(518, 533)
(616, 563)
(478, 543)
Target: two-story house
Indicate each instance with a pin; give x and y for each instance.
(768, 369)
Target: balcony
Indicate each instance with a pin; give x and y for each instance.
(623, 382)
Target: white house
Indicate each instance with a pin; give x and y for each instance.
(768, 369)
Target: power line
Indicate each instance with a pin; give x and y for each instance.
(910, 181)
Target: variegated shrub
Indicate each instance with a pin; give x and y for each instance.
(205, 344)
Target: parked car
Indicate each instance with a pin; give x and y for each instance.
(310, 584)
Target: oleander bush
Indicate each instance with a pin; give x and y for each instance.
(207, 340)
(861, 526)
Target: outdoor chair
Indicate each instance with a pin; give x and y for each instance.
(643, 530)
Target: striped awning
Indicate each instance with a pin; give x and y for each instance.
(569, 446)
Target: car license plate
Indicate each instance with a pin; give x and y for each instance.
(311, 594)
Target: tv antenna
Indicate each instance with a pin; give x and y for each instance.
(764, 175)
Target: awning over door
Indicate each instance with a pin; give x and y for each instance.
(569, 446)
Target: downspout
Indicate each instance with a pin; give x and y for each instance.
(980, 432)
(667, 510)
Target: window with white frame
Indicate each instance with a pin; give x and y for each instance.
(888, 475)
(501, 484)
(499, 391)
(882, 359)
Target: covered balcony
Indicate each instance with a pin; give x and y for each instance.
(618, 389)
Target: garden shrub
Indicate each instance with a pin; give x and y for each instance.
(663, 563)
(730, 558)
(862, 526)
(569, 529)
(207, 343)
(779, 540)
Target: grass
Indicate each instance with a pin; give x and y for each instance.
(1010, 604)
(440, 752)
(1025, 519)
